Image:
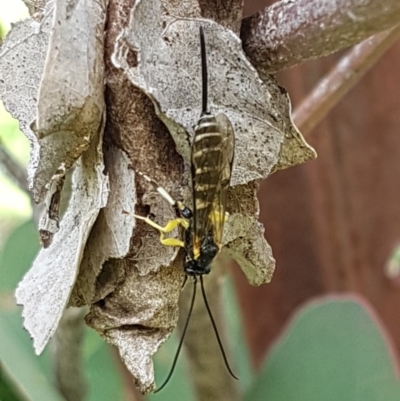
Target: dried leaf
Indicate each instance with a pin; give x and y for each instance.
(137, 300)
(61, 95)
(22, 58)
(36, 8)
(160, 54)
(70, 104)
(139, 315)
(70, 114)
(46, 288)
(111, 234)
(294, 149)
(244, 236)
(246, 244)
(166, 66)
(49, 222)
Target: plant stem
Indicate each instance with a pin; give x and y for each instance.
(293, 32)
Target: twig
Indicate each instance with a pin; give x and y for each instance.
(341, 79)
(293, 32)
(209, 374)
(68, 355)
(11, 167)
(17, 173)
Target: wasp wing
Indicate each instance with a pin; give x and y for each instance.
(212, 158)
(218, 217)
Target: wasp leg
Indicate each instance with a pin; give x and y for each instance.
(168, 228)
(183, 210)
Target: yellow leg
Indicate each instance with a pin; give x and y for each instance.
(168, 228)
(176, 204)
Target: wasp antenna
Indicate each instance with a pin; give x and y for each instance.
(216, 330)
(182, 338)
(184, 281)
(204, 73)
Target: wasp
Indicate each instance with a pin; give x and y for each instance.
(212, 152)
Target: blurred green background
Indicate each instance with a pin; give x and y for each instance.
(333, 349)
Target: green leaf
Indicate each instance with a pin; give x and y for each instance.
(32, 376)
(28, 373)
(333, 350)
(29, 376)
(6, 391)
(18, 254)
(104, 379)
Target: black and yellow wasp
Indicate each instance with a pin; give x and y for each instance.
(212, 153)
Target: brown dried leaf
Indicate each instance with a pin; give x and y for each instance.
(49, 222)
(246, 244)
(244, 236)
(160, 54)
(111, 234)
(138, 315)
(70, 114)
(168, 71)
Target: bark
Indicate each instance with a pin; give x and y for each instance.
(293, 32)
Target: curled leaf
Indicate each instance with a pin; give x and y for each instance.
(45, 290)
(138, 315)
(160, 55)
(69, 126)
(70, 103)
(111, 234)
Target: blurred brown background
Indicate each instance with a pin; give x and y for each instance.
(333, 223)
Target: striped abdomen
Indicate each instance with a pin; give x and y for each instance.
(206, 160)
(212, 155)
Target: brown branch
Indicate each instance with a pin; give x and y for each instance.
(17, 173)
(68, 355)
(209, 374)
(293, 32)
(11, 167)
(350, 69)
